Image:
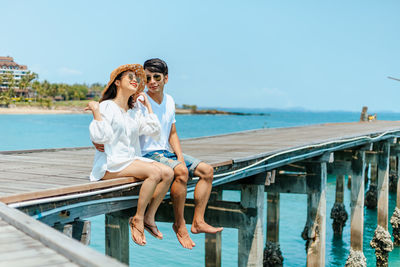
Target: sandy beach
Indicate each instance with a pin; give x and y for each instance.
(40, 110)
(59, 110)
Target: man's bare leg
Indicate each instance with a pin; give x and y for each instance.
(201, 195)
(178, 196)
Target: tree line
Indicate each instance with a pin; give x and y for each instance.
(43, 91)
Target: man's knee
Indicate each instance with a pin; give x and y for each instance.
(181, 173)
(205, 171)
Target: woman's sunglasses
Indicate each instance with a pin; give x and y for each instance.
(131, 77)
(157, 77)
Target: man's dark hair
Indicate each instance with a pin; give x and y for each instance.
(156, 65)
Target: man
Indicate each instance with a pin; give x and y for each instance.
(183, 165)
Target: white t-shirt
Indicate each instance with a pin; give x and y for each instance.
(165, 113)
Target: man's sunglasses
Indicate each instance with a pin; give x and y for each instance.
(157, 77)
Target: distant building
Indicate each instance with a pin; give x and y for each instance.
(7, 65)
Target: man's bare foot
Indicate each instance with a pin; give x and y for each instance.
(137, 233)
(203, 227)
(183, 236)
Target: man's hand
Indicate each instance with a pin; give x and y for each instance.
(99, 147)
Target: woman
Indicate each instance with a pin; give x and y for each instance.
(117, 124)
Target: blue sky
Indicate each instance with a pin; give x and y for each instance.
(317, 55)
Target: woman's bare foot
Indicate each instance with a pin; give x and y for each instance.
(137, 233)
(203, 227)
(183, 236)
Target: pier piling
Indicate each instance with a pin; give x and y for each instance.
(381, 241)
(395, 219)
(213, 241)
(117, 235)
(251, 239)
(272, 252)
(338, 212)
(356, 257)
(316, 211)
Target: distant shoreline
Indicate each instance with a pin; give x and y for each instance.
(79, 110)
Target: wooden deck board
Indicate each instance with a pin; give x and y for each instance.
(47, 169)
(19, 249)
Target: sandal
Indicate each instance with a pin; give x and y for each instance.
(133, 226)
(149, 228)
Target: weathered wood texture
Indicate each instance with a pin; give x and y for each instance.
(213, 242)
(43, 245)
(357, 201)
(35, 171)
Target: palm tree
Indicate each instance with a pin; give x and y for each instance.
(26, 80)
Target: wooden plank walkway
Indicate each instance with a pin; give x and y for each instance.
(26, 175)
(19, 249)
(25, 241)
(66, 171)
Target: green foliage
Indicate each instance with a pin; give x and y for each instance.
(46, 93)
(192, 107)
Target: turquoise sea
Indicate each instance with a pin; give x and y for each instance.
(20, 132)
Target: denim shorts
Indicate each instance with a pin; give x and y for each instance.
(170, 159)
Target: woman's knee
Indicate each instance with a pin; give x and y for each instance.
(167, 173)
(155, 174)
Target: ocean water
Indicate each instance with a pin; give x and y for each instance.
(20, 132)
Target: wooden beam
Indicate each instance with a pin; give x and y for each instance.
(273, 200)
(222, 213)
(339, 167)
(117, 235)
(357, 201)
(381, 241)
(213, 241)
(250, 239)
(68, 190)
(383, 185)
(316, 215)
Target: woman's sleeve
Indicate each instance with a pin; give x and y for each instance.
(101, 132)
(149, 125)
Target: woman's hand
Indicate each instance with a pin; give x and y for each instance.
(142, 97)
(95, 108)
(92, 106)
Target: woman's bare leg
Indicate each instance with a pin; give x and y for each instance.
(144, 171)
(167, 175)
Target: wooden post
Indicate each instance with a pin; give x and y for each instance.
(338, 212)
(213, 241)
(382, 240)
(356, 257)
(316, 213)
(117, 236)
(81, 231)
(393, 174)
(66, 229)
(371, 197)
(272, 252)
(251, 243)
(395, 220)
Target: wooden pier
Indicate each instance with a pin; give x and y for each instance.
(52, 187)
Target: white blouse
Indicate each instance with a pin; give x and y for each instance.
(119, 131)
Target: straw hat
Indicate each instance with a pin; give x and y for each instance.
(136, 68)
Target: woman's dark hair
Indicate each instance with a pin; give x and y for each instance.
(111, 92)
(156, 65)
